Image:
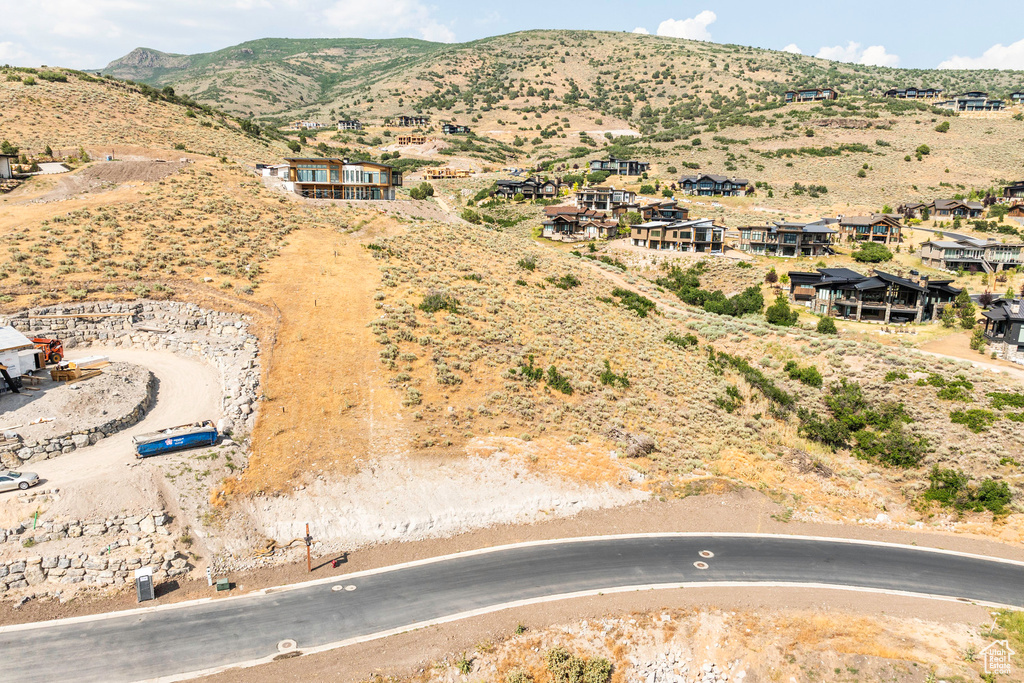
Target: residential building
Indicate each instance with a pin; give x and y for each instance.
(878, 227)
(1017, 97)
(603, 198)
(811, 95)
(788, 239)
(405, 140)
(972, 254)
(972, 101)
(305, 125)
(1004, 328)
(913, 93)
(700, 235)
(955, 208)
(1013, 191)
(533, 187)
(668, 210)
(878, 297)
(911, 209)
(709, 185)
(411, 121)
(620, 166)
(351, 124)
(273, 170)
(454, 129)
(334, 178)
(1016, 211)
(572, 224)
(446, 172)
(6, 163)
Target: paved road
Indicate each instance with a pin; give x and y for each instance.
(142, 645)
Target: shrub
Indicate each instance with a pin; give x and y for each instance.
(827, 326)
(686, 285)
(528, 263)
(567, 281)
(1002, 400)
(637, 303)
(894, 375)
(610, 379)
(732, 400)
(568, 668)
(872, 252)
(942, 127)
(923, 150)
(470, 216)
(518, 676)
(558, 381)
(647, 189)
(529, 371)
(975, 419)
(771, 277)
(779, 313)
(437, 301)
(809, 375)
(978, 340)
(682, 342)
(951, 488)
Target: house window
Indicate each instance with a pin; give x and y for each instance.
(334, 175)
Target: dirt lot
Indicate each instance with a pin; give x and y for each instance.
(74, 407)
(107, 175)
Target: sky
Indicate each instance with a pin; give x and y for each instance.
(906, 33)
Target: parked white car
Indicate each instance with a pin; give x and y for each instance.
(11, 480)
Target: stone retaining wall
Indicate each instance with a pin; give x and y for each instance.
(13, 455)
(112, 566)
(221, 339)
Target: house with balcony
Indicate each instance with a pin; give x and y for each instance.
(955, 208)
(709, 185)
(699, 236)
(668, 210)
(350, 124)
(572, 224)
(1014, 192)
(305, 125)
(811, 95)
(533, 187)
(878, 227)
(972, 255)
(332, 178)
(913, 93)
(911, 209)
(615, 166)
(876, 297)
(1017, 98)
(407, 140)
(1004, 328)
(788, 239)
(972, 101)
(405, 121)
(603, 198)
(454, 129)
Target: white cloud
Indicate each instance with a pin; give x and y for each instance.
(12, 53)
(695, 28)
(998, 56)
(874, 55)
(792, 47)
(641, 30)
(396, 17)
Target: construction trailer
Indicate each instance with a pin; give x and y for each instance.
(18, 356)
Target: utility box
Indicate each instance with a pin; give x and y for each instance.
(144, 589)
(223, 584)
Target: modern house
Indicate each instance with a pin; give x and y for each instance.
(405, 140)
(668, 210)
(878, 227)
(446, 172)
(1004, 328)
(955, 208)
(572, 224)
(700, 235)
(972, 254)
(454, 129)
(878, 297)
(972, 101)
(811, 95)
(6, 161)
(913, 93)
(620, 166)
(334, 178)
(273, 170)
(1017, 97)
(1012, 192)
(351, 124)
(708, 185)
(533, 187)
(788, 239)
(305, 125)
(603, 198)
(911, 209)
(411, 121)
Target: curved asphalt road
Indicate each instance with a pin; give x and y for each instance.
(149, 644)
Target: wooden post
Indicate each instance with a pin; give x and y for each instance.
(309, 557)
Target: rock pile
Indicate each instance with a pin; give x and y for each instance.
(673, 667)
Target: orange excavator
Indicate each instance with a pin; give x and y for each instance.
(53, 350)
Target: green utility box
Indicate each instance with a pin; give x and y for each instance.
(223, 584)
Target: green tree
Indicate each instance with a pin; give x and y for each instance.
(48, 152)
(7, 148)
(779, 313)
(647, 189)
(827, 326)
(942, 127)
(948, 317)
(294, 146)
(872, 252)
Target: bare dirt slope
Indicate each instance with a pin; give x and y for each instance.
(108, 174)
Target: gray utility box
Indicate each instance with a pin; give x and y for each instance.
(144, 584)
